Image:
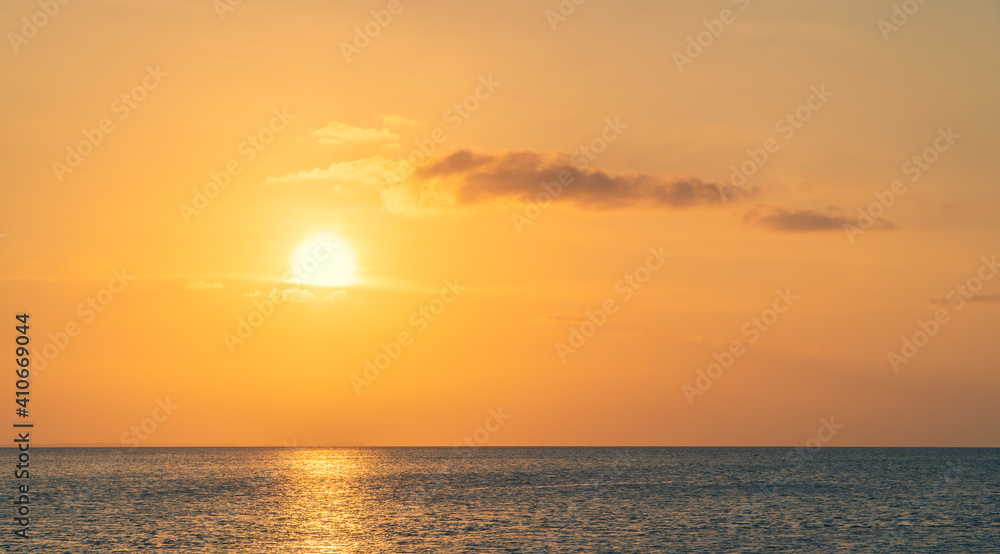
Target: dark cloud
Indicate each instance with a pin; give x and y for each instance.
(973, 298)
(474, 178)
(801, 221)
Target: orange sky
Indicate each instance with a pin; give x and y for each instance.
(481, 182)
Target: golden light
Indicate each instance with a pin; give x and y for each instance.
(324, 260)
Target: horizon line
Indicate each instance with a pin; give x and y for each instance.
(123, 447)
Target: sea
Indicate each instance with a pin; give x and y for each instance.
(444, 500)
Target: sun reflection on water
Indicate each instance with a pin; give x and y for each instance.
(324, 500)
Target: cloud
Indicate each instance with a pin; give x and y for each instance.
(393, 121)
(202, 285)
(801, 221)
(342, 134)
(296, 294)
(563, 317)
(86, 266)
(375, 172)
(467, 178)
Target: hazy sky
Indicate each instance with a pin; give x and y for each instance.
(460, 191)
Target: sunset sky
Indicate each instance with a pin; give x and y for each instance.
(405, 188)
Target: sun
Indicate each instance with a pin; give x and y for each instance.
(324, 260)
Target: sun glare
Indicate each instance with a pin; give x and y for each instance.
(324, 260)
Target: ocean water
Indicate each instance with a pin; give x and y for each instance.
(367, 500)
